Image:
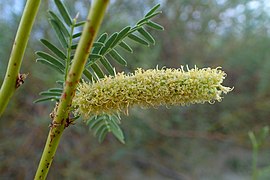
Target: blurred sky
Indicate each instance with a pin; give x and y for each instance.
(17, 5)
(256, 6)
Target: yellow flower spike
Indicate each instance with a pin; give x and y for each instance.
(150, 88)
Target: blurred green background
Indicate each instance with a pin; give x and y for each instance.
(195, 142)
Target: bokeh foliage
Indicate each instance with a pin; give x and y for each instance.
(192, 142)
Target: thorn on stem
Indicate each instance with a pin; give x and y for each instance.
(69, 121)
(54, 124)
(77, 16)
(20, 79)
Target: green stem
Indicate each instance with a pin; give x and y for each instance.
(68, 60)
(61, 119)
(254, 163)
(255, 149)
(12, 74)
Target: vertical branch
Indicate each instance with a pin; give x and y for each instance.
(255, 148)
(61, 117)
(12, 78)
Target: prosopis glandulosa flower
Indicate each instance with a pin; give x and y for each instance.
(150, 88)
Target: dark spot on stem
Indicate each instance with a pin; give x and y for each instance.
(91, 30)
(68, 122)
(72, 74)
(64, 96)
(71, 94)
(15, 64)
(87, 47)
(69, 83)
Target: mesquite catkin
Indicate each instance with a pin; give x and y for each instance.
(150, 88)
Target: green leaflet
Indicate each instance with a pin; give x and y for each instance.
(102, 135)
(59, 90)
(92, 57)
(46, 99)
(61, 83)
(48, 93)
(97, 70)
(125, 46)
(155, 25)
(60, 24)
(107, 66)
(95, 122)
(101, 39)
(51, 59)
(108, 43)
(79, 23)
(138, 39)
(98, 44)
(146, 35)
(63, 11)
(74, 46)
(151, 11)
(116, 56)
(102, 124)
(59, 34)
(52, 94)
(76, 35)
(121, 35)
(54, 49)
(88, 75)
(148, 17)
(115, 129)
(46, 62)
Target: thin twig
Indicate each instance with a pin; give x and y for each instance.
(61, 118)
(12, 78)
